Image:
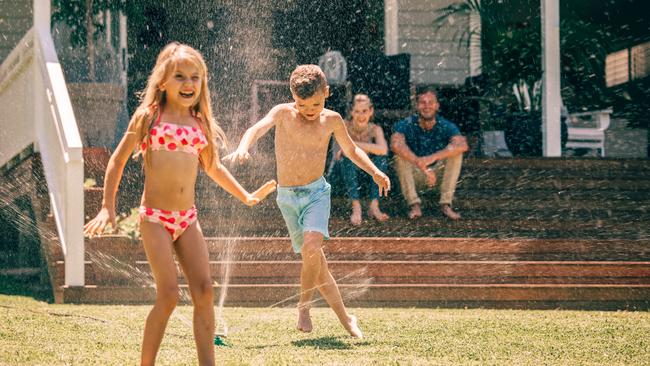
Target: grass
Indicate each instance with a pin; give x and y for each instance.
(37, 333)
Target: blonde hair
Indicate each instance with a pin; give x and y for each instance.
(153, 99)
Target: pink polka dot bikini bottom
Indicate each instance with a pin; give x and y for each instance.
(175, 222)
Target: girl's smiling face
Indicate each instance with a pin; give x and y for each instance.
(183, 85)
(361, 112)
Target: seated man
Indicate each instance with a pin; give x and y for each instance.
(424, 144)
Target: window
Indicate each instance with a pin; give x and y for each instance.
(628, 64)
(641, 61)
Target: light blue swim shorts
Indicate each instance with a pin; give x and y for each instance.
(305, 208)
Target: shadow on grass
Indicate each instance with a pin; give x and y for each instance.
(12, 285)
(324, 343)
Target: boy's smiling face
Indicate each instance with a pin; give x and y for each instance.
(311, 107)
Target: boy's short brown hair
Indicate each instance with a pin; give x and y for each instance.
(306, 80)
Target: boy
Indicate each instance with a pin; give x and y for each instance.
(302, 133)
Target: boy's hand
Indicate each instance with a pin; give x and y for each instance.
(261, 193)
(266, 189)
(97, 225)
(383, 182)
(237, 157)
(251, 200)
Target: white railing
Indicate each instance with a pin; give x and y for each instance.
(37, 109)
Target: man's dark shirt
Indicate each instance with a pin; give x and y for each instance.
(426, 142)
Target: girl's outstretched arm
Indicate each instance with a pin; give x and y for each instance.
(112, 179)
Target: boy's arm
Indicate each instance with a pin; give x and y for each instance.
(358, 156)
(251, 135)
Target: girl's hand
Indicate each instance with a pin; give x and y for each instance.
(97, 225)
(261, 193)
(251, 200)
(266, 189)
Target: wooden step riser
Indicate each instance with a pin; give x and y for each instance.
(402, 295)
(385, 272)
(334, 256)
(123, 248)
(147, 280)
(497, 210)
(436, 226)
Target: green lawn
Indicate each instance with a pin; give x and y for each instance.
(38, 333)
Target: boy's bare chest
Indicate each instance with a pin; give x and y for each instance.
(304, 135)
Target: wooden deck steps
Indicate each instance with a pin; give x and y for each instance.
(399, 271)
(535, 233)
(529, 296)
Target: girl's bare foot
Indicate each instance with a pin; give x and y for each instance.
(353, 328)
(375, 212)
(449, 212)
(355, 218)
(304, 319)
(415, 211)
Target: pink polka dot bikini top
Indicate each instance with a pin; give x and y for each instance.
(174, 137)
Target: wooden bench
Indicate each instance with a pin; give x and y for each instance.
(587, 130)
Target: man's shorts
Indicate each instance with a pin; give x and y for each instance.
(305, 208)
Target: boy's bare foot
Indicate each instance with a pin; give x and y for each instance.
(415, 211)
(377, 214)
(304, 320)
(449, 212)
(355, 218)
(353, 328)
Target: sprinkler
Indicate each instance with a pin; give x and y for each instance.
(219, 340)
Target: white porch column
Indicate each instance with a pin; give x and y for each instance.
(551, 98)
(391, 28)
(41, 19)
(51, 102)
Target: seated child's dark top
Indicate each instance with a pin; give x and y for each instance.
(423, 142)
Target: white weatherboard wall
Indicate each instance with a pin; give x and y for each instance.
(15, 21)
(16, 101)
(437, 56)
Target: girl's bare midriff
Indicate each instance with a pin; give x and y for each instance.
(169, 180)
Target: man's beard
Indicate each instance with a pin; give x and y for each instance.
(431, 118)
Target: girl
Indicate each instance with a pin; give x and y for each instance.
(174, 130)
(370, 138)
